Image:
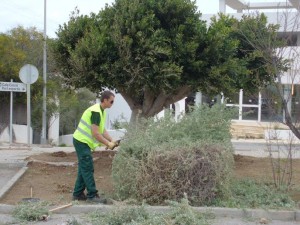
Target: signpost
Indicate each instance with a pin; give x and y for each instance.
(28, 75)
(12, 87)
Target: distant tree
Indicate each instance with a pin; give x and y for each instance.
(20, 46)
(280, 59)
(154, 53)
(11, 58)
(232, 62)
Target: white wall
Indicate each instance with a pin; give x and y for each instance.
(280, 135)
(53, 130)
(179, 109)
(20, 132)
(291, 76)
(119, 110)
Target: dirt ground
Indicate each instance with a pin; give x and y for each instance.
(54, 183)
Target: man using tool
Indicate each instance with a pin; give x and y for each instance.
(89, 134)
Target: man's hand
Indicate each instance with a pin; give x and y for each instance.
(117, 142)
(111, 145)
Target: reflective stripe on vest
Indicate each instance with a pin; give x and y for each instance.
(86, 133)
(83, 132)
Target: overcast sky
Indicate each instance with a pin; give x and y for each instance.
(31, 12)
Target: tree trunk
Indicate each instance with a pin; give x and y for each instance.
(135, 115)
(153, 104)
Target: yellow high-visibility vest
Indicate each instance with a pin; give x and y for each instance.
(83, 132)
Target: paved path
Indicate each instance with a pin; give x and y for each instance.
(66, 219)
(17, 155)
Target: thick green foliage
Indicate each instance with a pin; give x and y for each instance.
(132, 44)
(235, 58)
(162, 160)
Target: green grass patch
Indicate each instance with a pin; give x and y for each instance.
(180, 213)
(247, 193)
(30, 211)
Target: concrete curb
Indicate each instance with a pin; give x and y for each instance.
(17, 164)
(17, 148)
(12, 181)
(280, 215)
(6, 209)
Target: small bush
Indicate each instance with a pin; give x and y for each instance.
(162, 160)
(30, 211)
(247, 193)
(120, 215)
(183, 213)
(180, 213)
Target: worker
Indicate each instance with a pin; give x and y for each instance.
(89, 134)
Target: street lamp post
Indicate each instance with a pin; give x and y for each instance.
(44, 116)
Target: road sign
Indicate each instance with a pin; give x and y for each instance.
(28, 74)
(12, 86)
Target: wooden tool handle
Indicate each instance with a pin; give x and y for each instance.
(60, 207)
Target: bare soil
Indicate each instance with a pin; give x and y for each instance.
(54, 183)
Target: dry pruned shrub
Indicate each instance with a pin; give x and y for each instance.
(162, 160)
(167, 175)
(201, 171)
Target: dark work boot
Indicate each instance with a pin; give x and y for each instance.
(81, 197)
(97, 199)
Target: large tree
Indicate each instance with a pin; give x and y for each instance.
(153, 52)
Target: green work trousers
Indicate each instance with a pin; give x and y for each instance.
(85, 176)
